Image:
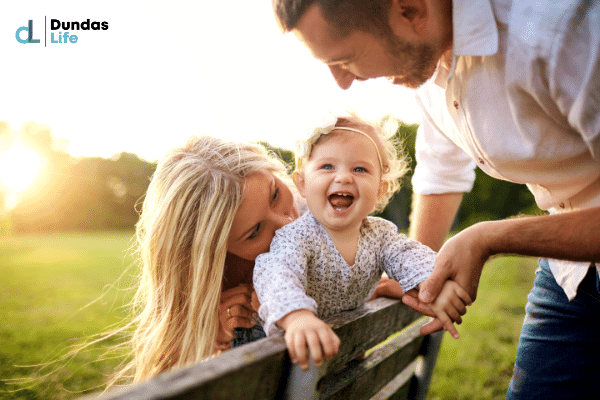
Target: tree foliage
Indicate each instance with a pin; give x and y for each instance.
(97, 193)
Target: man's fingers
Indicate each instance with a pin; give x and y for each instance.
(431, 327)
(416, 305)
(432, 286)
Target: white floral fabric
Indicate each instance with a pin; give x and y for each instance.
(304, 269)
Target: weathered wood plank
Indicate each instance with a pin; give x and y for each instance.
(398, 387)
(363, 379)
(365, 327)
(259, 370)
(253, 371)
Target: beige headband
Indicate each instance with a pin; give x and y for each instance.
(324, 127)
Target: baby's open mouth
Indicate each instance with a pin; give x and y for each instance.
(340, 201)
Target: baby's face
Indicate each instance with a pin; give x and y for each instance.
(341, 180)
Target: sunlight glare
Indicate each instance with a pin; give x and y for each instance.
(19, 166)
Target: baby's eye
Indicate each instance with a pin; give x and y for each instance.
(360, 169)
(327, 166)
(255, 232)
(275, 194)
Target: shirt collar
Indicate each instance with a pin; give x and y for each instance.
(474, 31)
(474, 28)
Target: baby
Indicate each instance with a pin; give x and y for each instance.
(331, 259)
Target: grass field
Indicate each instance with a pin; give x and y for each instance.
(48, 280)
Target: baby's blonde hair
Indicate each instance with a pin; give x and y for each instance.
(394, 162)
(182, 234)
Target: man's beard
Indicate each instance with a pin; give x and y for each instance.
(415, 63)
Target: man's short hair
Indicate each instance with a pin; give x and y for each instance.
(345, 15)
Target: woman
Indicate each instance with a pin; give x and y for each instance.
(212, 207)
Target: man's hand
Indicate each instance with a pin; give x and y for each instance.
(460, 259)
(306, 335)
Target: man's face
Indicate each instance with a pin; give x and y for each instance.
(361, 56)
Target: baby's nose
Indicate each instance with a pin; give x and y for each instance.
(343, 176)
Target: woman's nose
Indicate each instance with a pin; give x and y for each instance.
(280, 220)
(343, 77)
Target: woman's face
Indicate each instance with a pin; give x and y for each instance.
(267, 205)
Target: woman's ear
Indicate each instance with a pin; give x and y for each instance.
(411, 15)
(298, 178)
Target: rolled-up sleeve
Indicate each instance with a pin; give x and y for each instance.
(442, 167)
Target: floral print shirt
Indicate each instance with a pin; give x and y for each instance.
(303, 268)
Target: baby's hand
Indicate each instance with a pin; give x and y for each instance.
(450, 305)
(304, 330)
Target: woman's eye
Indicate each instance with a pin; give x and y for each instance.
(255, 232)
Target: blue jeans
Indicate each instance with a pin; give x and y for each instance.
(246, 335)
(559, 349)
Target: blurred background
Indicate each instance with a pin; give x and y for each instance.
(81, 128)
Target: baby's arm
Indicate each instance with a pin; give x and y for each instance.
(450, 305)
(303, 330)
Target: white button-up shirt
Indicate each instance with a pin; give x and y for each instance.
(521, 100)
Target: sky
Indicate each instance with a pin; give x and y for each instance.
(165, 70)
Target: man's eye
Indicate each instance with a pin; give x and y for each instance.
(255, 232)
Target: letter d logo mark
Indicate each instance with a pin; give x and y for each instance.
(29, 30)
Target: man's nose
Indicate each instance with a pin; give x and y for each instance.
(343, 77)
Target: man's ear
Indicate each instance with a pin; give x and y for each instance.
(410, 15)
(298, 178)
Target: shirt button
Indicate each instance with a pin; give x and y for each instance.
(456, 104)
(481, 161)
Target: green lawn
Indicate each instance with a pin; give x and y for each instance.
(51, 301)
(479, 364)
(48, 280)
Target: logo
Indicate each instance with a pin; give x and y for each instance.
(59, 31)
(29, 30)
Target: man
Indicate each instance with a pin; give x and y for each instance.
(514, 88)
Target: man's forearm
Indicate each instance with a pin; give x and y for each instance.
(571, 236)
(432, 216)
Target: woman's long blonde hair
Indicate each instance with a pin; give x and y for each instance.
(182, 243)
